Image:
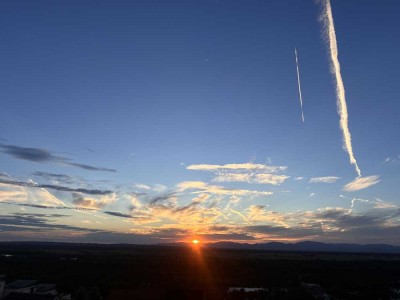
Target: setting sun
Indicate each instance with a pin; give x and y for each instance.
(195, 242)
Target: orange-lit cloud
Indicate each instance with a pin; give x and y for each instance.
(91, 202)
(361, 183)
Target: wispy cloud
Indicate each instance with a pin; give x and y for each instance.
(244, 166)
(209, 210)
(168, 197)
(392, 160)
(371, 204)
(387, 159)
(261, 214)
(361, 183)
(325, 179)
(45, 156)
(39, 223)
(89, 168)
(330, 223)
(158, 188)
(327, 18)
(233, 177)
(32, 184)
(354, 200)
(94, 203)
(384, 204)
(247, 172)
(142, 186)
(165, 208)
(118, 214)
(263, 178)
(50, 207)
(203, 187)
(256, 223)
(239, 214)
(55, 178)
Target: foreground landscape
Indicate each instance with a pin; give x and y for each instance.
(95, 271)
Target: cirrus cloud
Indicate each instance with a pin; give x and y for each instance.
(244, 166)
(218, 190)
(245, 172)
(361, 183)
(325, 179)
(263, 178)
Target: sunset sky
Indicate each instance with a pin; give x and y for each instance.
(153, 121)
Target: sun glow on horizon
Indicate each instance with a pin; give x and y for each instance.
(195, 242)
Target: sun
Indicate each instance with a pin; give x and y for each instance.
(195, 242)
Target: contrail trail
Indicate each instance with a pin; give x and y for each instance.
(340, 92)
(298, 83)
(239, 214)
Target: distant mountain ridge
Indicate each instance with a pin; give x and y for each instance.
(305, 246)
(310, 246)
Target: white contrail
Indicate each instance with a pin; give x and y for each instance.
(340, 92)
(298, 83)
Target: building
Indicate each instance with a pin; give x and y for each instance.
(29, 290)
(20, 287)
(2, 284)
(46, 289)
(28, 296)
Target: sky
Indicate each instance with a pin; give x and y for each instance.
(154, 121)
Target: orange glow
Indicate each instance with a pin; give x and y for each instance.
(195, 242)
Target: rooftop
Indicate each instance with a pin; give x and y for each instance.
(19, 284)
(45, 287)
(23, 296)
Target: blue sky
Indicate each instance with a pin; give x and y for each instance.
(151, 121)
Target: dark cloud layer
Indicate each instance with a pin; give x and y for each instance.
(56, 187)
(117, 214)
(41, 227)
(57, 177)
(31, 154)
(339, 225)
(229, 237)
(42, 224)
(36, 222)
(161, 198)
(87, 202)
(285, 232)
(78, 208)
(116, 238)
(91, 168)
(343, 219)
(45, 156)
(50, 206)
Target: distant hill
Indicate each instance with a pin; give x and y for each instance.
(310, 246)
(306, 246)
